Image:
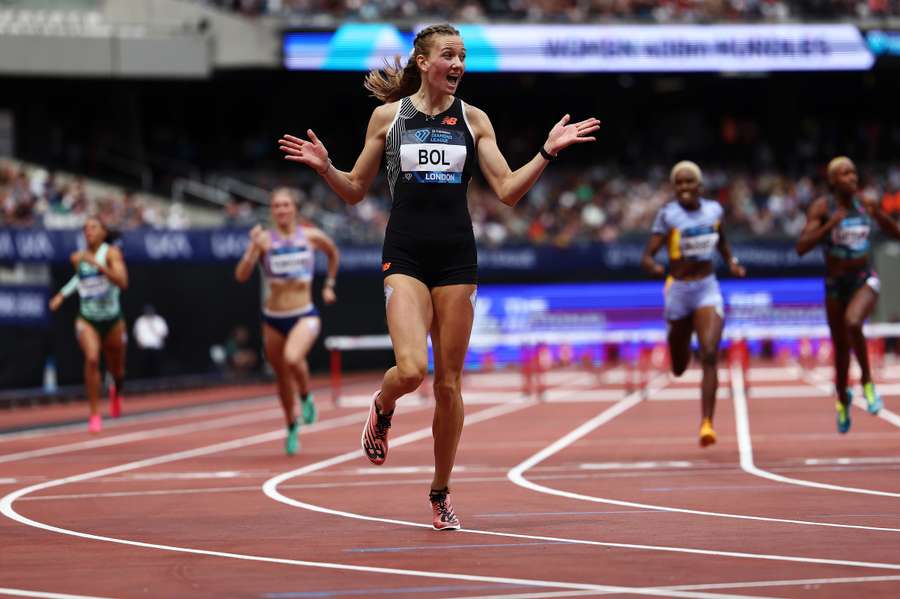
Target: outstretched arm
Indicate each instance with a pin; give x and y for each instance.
(511, 185)
(349, 186)
(817, 227)
(66, 290)
(647, 262)
(323, 242)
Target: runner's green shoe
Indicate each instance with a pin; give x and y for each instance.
(309, 409)
(873, 400)
(843, 413)
(292, 442)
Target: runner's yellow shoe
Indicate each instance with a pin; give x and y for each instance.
(707, 434)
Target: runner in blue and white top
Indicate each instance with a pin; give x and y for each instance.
(100, 275)
(290, 319)
(691, 229)
(431, 141)
(842, 223)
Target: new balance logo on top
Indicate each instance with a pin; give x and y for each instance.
(449, 120)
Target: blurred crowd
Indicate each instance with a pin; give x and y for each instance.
(565, 207)
(573, 206)
(570, 11)
(35, 197)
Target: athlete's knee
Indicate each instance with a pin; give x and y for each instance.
(293, 358)
(679, 368)
(92, 362)
(447, 388)
(709, 356)
(679, 364)
(853, 323)
(411, 373)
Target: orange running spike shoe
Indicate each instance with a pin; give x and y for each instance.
(444, 516)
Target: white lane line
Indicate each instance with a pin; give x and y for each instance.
(6, 508)
(697, 587)
(516, 475)
(143, 435)
(270, 488)
(162, 415)
(851, 461)
(43, 595)
(745, 446)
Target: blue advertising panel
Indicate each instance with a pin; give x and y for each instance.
(562, 311)
(227, 245)
(23, 305)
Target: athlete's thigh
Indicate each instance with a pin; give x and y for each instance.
(273, 345)
(88, 339)
(861, 304)
(302, 337)
(708, 323)
(454, 311)
(409, 314)
(679, 336)
(835, 312)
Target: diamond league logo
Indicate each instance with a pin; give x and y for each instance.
(422, 134)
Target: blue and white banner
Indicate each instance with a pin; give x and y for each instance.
(227, 245)
(23, 305)
(599, 48)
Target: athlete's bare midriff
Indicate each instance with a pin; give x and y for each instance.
(288, 295)
(690, 270)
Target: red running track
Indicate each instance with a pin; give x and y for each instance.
(593, 492)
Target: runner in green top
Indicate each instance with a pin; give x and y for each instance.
(100, 275)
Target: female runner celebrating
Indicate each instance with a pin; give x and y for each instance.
(431, 141)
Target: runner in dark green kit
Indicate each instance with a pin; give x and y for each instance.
(842, 222)
(100, 275)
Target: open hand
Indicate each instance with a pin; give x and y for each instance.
(564, 134)
(312, 153)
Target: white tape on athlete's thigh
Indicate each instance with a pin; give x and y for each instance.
(313, 324)
(388, 292)
(474, 297)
